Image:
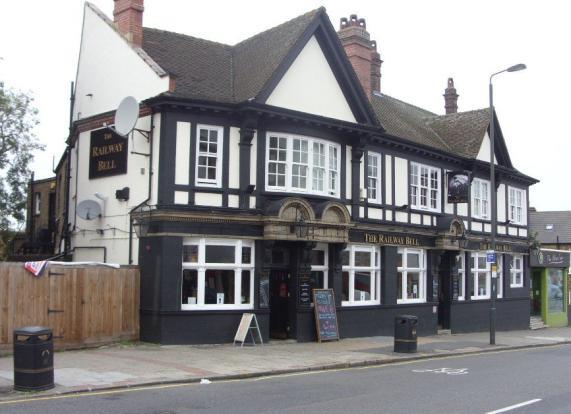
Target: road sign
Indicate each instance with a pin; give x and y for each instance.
(490, 256)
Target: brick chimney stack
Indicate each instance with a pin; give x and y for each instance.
(128, 18)
(450, 98)
(362, 53)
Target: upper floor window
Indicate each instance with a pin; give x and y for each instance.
(37, 203)
(480, 198)
(209, 156)
(374, 177)
(424, 187)
(516, 197)
(481, 276)
(302, 164)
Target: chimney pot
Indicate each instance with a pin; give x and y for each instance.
(362, 52)
(450, 98)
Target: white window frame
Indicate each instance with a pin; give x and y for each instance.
(404, 269)
(461, 260)
(322, 268)
(37, 203)
(377, 177)
(500, 275)
(208, 182)
(481, 199)
(201, 267)
(516, 197)
(514, 271)
(474, 270)
(373, 269)
(331, 173)
(416, 187)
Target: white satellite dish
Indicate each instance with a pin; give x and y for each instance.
(126, 116)
(88, 209)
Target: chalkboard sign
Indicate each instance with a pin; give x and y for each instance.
(455, 285)
(325, 315)
(305, 285)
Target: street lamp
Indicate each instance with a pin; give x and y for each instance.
(515, 68)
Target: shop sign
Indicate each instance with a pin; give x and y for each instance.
(500, 248)
(544, 258)
(305, 286)
(107, 154)
(458, 187)
(397, 239)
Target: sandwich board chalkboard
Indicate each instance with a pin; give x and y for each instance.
(325, 315)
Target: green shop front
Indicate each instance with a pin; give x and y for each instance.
(549, 286)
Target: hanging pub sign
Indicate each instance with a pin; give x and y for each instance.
(458, 187)
(107, 154)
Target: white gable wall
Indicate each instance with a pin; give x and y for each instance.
(484, 153)
(109, 69)
(310, 86)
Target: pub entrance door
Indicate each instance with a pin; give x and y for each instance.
(280, 294)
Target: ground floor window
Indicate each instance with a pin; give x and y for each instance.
(481, 276)
(461, 265)
(361, 275)
(319, 267)
(516, 271)
(217, 274)
(411, 275)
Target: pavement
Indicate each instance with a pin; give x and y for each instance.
(137, 364)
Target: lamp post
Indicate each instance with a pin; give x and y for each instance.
(515, 68)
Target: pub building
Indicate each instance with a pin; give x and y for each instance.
(260, 171)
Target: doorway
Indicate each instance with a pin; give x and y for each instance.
(280, 293)
(535, 293)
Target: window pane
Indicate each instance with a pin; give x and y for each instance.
(264, 294)
(362, 286)
(189, 287)
(399, 285)
(345, 257)
(461, 284)
(399, 259)
(318, 257)
(219, 287)
(317, 278)
(362, 259)
(413, 260)
(220, 254)
(246, 254)
(413, 285)
(473, 285)
(481, 262)
(190, 253)
(246, 280)
(482, 286)
(345, 288)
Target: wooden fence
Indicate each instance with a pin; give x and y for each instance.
(83, 305)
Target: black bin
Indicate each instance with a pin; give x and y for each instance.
(405, 333)
(33, 359)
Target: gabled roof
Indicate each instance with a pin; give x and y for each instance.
(460, 133)
(551, 226)
(214, 71)
(250, 69)
(463, 131)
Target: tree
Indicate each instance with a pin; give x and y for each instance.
(17, 143)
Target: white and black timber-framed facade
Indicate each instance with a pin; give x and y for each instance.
(276, 166)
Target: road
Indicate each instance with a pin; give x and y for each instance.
(537, 379)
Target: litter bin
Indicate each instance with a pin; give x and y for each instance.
(33, 359)
(405, 333)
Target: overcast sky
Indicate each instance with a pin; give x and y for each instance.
(422, 43)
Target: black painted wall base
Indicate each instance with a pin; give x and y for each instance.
(474, 316)
(176, 328)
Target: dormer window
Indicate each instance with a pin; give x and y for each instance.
(302, 164)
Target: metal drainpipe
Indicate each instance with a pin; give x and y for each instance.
(65, 230)
(150, 187)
